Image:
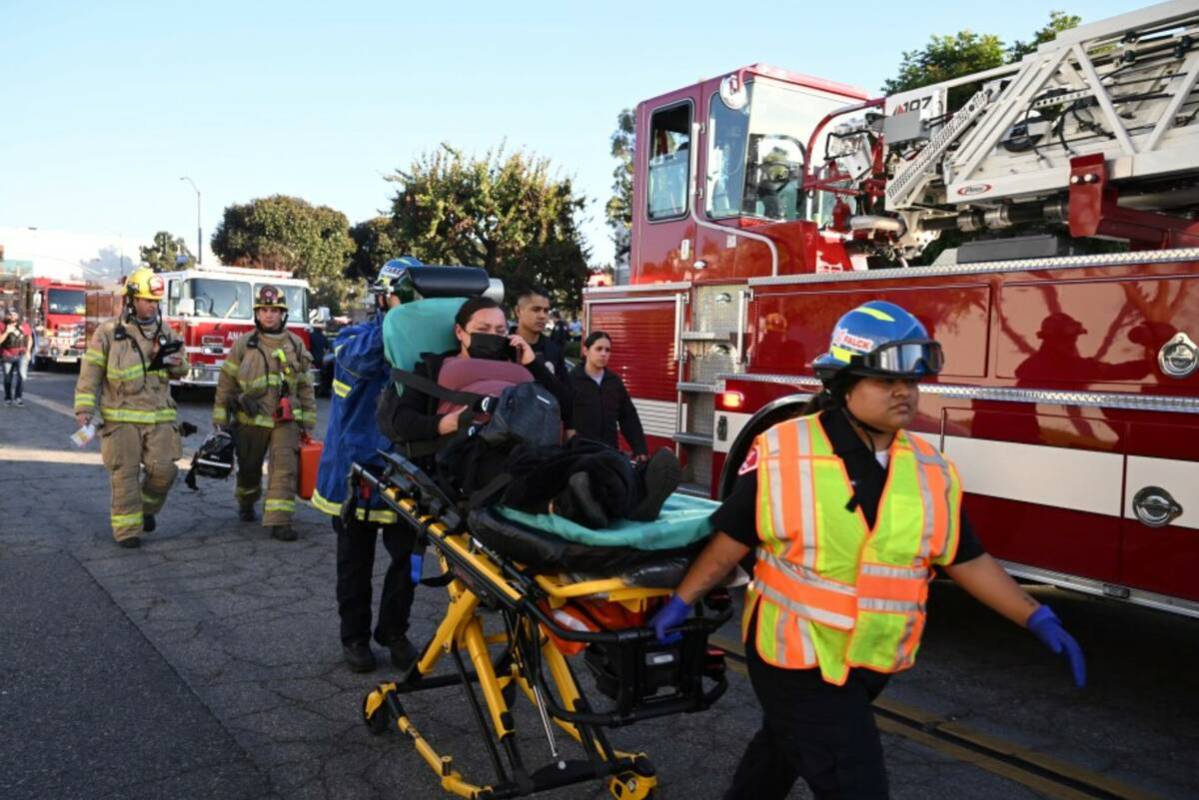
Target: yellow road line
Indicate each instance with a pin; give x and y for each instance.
(1038, 783)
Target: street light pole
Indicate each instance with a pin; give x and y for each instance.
(199, 234)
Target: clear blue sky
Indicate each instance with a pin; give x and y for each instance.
(106, 105)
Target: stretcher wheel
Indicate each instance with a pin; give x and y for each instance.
(631, 786)
(373, 713)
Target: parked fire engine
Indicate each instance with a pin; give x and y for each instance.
(210, 307)
(766, 204)
(57, 316)
(54, 309)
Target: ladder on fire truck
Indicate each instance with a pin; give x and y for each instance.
(1105, 105)
(1119, 86)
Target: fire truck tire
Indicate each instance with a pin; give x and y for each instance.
(40, 364)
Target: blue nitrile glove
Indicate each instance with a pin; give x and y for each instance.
(671, 615)
(416, 566)
(1045, 625)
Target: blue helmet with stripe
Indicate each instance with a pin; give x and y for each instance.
(879, 339)
(390, 278)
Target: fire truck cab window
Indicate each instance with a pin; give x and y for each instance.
(297, 301)
(756, 153)
(669, 161)
(66, 301)
(216, 299)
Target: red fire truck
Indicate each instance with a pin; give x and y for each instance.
(57, 314)
(211, 307)
(53, 308)
(767, 204)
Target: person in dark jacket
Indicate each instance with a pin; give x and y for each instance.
(532, 316)
(601, 401)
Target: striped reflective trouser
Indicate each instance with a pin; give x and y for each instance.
(281, 444)
(125, 447)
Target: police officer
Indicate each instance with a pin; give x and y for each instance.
(266, 383)
(837, 602)
(360, 374)
(126, 374)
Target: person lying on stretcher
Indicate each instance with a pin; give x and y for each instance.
(584, 481)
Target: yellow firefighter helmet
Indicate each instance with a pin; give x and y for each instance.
(146, 284)
(270, 296)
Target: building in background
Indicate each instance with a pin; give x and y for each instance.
(68, 255)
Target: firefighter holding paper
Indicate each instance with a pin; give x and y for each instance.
(265, 388)
(125, 379)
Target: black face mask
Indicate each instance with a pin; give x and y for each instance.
(489, 346)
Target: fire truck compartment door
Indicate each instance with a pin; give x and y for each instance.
(1163, 559)
(644, 354)
(1095, 332)
(1043, 485)
(791, 327)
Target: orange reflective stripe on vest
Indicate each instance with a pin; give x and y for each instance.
(828, 590)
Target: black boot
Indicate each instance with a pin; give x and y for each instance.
(284, 533)
(246, 514)
(403, 654)
(149, 523)
(131, 542)
(662, 476)
(358, 656)
(577, 504)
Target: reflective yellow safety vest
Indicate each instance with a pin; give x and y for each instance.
(829, 591)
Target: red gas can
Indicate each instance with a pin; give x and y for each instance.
(310, 460)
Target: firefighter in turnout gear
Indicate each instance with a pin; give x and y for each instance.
(848, 514)
(361, 374)
(125, 385)
(265, 389)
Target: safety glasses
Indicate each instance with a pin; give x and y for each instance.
(912, 357)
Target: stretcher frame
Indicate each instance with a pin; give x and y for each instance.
(476, 578)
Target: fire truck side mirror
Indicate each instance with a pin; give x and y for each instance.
(186, 307)
(37, 301)
(319, 316)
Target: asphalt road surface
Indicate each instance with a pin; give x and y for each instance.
(207, 664)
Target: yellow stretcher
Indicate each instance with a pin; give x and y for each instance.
(545, 615)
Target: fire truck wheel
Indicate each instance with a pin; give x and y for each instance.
(40, 364)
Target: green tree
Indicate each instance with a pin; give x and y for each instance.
(1059, 21)
(281, 232)
(945, 58)
(619, 209)
(964, 53)
(164, 254)
(507, 213)
(376, 240)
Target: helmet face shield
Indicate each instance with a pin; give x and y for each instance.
(882, 340)
(916, 358)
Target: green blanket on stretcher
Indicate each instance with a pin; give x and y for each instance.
(684, 519)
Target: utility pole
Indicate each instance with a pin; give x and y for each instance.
(199, 234)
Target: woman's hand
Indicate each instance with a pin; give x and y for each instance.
(524, 353)
(447, 424)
